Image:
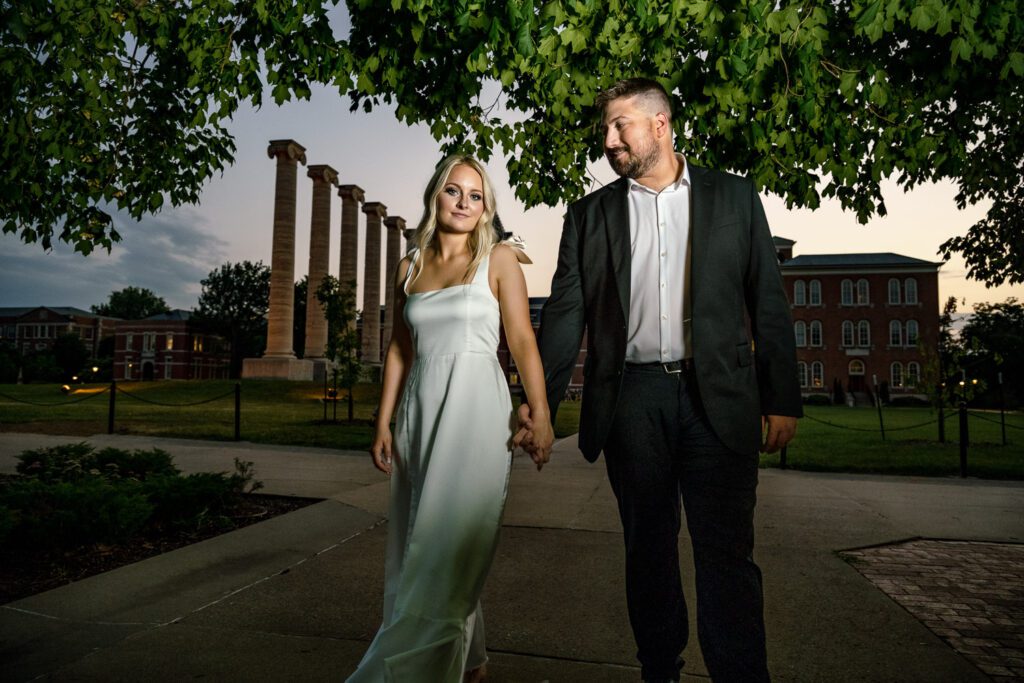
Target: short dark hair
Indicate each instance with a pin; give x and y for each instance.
(645, 88)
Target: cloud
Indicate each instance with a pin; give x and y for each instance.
(168, 253)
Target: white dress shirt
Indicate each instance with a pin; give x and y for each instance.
(659, 235)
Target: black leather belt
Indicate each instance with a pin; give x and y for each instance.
(673, 367)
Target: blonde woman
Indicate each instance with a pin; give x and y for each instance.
(450, 456)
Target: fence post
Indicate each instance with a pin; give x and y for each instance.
(110, 412)
(782, 459)
(1002, 408)
(238, 411)
(963, 439)
(878, 402)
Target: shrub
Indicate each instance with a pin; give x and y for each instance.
(70, 462)
(62, 514)
(909, 402)
(817, 400)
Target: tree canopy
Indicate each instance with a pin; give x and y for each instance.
(234, 304)
(132, 303)
(125, 102)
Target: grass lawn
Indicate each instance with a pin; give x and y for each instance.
(292, 413)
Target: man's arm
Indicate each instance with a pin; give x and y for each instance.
(772, 328)
(562, 319)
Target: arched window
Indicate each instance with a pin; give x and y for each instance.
(856, 367)
(801, 373)
(800, 332)
(817, 374)
(895, 333)
(799, 293)
(847, 333)
(815, 293)
(896, 375)
(864, 333)
(913, 374)
(894, 291)
(862, 293)
(815, 333)
(911, 333)
(910, 291)
(846, 293)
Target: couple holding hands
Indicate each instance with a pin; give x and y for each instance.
(690, 371)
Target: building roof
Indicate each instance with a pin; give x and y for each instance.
(176, 314)
(782, 241)
(872, 260)
(17, 312)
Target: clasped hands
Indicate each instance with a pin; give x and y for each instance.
(535, 435)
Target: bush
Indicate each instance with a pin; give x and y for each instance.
(817, 400)
(71, 496)
(70, 462)
(63, 514)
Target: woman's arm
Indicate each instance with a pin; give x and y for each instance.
(397, 361)
(522, 343)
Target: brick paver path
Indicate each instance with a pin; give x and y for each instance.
(970, 594)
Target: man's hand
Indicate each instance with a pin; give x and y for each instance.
(781, 429)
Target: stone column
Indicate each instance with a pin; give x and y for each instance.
(324, 177)
(351, 197)
(278, 361)
(395, 227)
(282, 262)
(374, 211)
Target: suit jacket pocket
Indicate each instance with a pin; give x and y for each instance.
(744, 355)
(726, 219)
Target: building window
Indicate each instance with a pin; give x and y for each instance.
(896, 375)
(800, 330)
(913, 374)
(815, 293)
(910, 291)
(149, 341)
(815, 333)
(911, 333)
(894, 291)
(864, 334)
(817, 374)
(801, 373)
(197, 343)
(170, 342)
(847, 333)
(799, 293)
(128, 342)
(895, 333)
(846, 293)
(862, 293)
(856, 367)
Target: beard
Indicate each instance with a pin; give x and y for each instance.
(636, 161)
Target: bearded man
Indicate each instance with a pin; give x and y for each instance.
(690, 371)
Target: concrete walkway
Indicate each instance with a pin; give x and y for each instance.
(298, 597)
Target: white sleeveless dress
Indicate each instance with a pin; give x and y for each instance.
(449, 481)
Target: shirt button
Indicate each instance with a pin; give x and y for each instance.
(663, 285)
(664, 317)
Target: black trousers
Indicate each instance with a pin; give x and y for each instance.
(662, 450)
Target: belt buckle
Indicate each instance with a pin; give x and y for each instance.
(674, 367)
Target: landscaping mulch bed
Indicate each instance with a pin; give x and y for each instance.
(24, 573)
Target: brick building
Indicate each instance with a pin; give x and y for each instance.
(859, 318)
(168, 346)
(505, 357)
(37, 328)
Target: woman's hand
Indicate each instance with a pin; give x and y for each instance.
(381, 450)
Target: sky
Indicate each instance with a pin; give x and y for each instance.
(170, 252)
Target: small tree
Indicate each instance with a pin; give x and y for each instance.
(339, 302)
(234, 304)
(838, 395)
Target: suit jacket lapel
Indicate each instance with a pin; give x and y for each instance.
(616, 223)
(700, 226)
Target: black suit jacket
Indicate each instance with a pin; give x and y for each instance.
(743, 345)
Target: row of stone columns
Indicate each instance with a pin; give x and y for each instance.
(279, 361)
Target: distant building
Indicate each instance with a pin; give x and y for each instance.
(168, 346)
(858, 318)
(37, 328)
(512, 373)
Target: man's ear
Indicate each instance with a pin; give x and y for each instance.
(662, 125)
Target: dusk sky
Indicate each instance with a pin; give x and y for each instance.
(172, 251)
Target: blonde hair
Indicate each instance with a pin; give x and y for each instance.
(480, 240)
